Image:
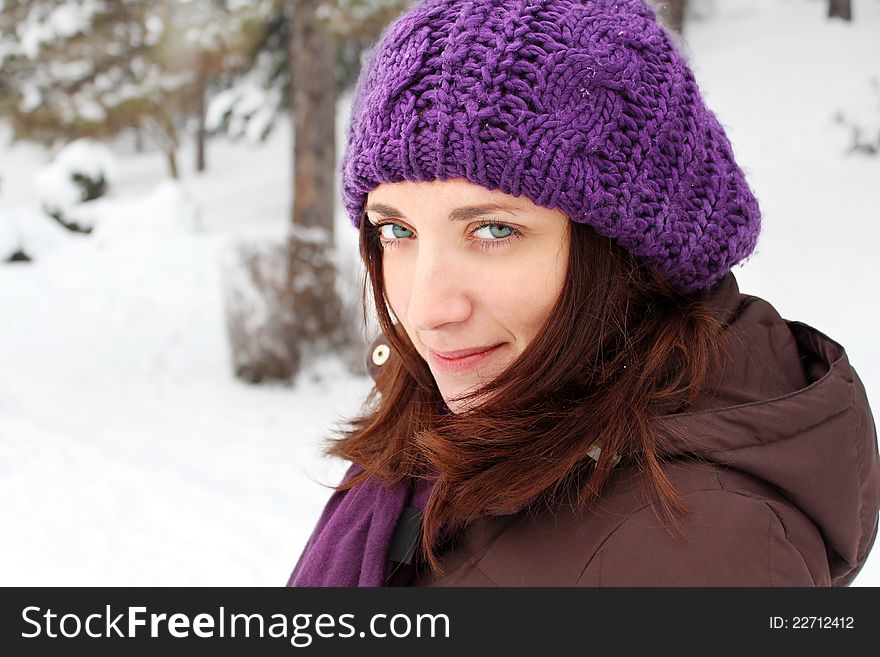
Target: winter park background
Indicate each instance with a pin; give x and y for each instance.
(130, 454)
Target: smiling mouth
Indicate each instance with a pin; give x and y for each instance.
(462, 353)
(462, 364)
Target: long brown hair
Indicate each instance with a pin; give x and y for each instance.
(620, 350)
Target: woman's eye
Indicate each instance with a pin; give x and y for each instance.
(494, 231)
(393, 232)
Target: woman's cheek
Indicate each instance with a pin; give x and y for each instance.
(396, 290)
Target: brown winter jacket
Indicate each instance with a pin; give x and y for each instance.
(790, 498)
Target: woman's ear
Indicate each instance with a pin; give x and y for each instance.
(378, 354)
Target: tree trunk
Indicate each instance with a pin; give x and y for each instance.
(313, 103)
(166, 135)
(311, 272)
(138, 139)
(840, 9)
(171, 160)
(672, 14)
(199, 109)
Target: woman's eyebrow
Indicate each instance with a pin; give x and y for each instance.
(465, 213)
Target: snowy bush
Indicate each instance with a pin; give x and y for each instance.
(267, 339)
(82, 171)
(259, 323)
(10, 242)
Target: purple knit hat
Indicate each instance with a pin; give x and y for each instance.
(581, 105)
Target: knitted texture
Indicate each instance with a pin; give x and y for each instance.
(581, 105)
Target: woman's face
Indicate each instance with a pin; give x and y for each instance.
(461, 278)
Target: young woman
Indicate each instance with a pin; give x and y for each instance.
(570, 388)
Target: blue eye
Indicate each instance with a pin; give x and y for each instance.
(499, 235)
(493, 230)
(395, 232)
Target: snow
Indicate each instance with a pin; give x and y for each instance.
(248, 107)
(89, 110)
(70, 71)
(28, 229)
(155, 28)
(30, 100)
(55, 188)
(10, 239)
(130, 455)
(65, 20)
(260, 122)
(220, 105)
(87, 157)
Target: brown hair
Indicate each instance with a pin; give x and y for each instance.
(620, 349)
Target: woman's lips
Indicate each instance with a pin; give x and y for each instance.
(461, 364)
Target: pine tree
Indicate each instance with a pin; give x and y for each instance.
(252, 103)
(84, 68)
(247, 99)
(206, 45)
(80, 68)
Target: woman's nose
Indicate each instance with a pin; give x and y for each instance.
(439, 292)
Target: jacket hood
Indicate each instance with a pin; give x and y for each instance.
(787, 407)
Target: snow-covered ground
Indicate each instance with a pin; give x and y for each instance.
(130, 455)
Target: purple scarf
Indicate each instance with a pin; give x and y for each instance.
(349, 545)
